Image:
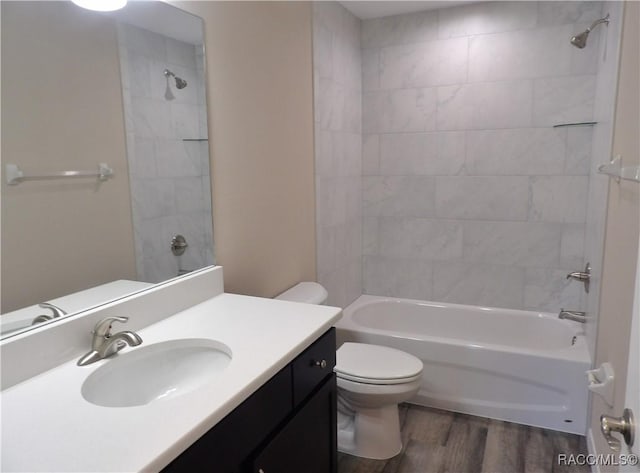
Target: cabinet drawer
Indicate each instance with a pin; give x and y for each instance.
(313, 365)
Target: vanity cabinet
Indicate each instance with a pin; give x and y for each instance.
(306, 443)
(288, 425)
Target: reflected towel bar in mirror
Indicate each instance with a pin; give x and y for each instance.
(15, 175)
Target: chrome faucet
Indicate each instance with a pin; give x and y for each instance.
(582, 276)
(56, 312)
(574, 315)
(105, 344)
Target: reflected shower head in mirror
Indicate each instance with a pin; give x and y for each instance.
(180, 84)
(580, 40)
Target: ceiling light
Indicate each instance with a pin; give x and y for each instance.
(101, 5)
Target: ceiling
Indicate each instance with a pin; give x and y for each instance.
(376, 9)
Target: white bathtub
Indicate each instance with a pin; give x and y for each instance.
(518, 366)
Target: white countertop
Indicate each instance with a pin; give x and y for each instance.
(48, 426)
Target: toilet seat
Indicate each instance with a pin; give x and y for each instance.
(357, 379)
(377, 394)
(375, 364)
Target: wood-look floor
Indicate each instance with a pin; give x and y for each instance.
(436, 441)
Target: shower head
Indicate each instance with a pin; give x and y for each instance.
(180, 83)
(580, 40)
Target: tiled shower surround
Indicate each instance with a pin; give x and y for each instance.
(338, 156)
(469, 193)
(169, 177)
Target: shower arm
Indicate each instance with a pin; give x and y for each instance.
(597, 22)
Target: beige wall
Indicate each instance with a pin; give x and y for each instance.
(261, 139)
(61, 109)
(621, 240)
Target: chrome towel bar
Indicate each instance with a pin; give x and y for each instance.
(615, 170)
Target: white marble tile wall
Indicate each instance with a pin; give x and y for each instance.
(469, 193)
(338, 154)
(169, 177)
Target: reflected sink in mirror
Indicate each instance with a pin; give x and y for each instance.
(160, 371)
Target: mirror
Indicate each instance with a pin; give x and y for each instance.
(81, 88)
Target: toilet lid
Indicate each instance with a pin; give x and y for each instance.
(375, 364)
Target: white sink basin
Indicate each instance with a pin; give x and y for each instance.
(155, 372)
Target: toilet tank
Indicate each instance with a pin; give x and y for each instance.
(307, 292)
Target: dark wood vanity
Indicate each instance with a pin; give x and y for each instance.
(286, 426)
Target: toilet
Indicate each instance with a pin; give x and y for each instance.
(372, 381)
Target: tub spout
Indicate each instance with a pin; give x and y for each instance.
(574, 315)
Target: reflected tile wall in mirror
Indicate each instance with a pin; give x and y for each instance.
(167, 151)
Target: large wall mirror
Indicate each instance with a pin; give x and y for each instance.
(81, 90)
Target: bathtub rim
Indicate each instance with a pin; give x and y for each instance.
(577, 352)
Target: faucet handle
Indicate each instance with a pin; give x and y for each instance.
(57, 311)
(103, 328)
(582, 276)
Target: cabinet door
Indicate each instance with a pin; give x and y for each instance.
(307, 444)
(228, 445)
